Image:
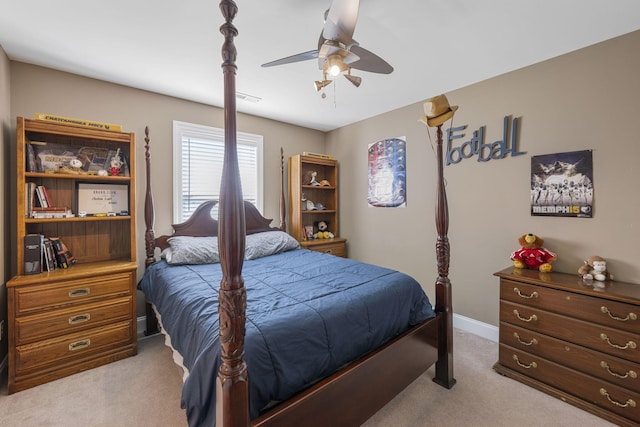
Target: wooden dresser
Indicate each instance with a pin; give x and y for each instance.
(573, 339)
(83, 318)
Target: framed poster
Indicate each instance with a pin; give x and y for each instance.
(94, 198)
(562, 184)
(387, 173)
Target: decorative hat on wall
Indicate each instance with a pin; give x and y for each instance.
(437, 111)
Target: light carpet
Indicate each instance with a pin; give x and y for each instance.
(145, 391)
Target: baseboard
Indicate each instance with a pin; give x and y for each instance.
(476, 327)
(463, 323)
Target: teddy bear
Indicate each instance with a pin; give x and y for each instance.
(532, 254)
(323, 230)
(595, 267)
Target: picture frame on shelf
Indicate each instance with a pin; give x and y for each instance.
(100, 199)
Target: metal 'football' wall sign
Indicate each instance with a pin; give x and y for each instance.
(477, 147)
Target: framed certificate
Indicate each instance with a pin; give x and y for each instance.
(94, 198)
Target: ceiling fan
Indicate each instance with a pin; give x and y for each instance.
(337, 52)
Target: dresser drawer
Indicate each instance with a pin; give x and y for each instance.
(601, 365)
(30, 299)
(337, 249)
(602, 338)
(611, 397)
(62, 322)
(605, 312)
(66, 348)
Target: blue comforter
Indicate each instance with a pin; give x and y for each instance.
(308, 314)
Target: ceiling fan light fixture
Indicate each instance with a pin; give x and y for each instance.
(355, 80)
(335, 65)
(319, 84)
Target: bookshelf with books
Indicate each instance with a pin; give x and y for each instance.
(63, 169)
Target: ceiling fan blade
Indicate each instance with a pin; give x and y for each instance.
(341, 21)
(304, 56)
(369, 61)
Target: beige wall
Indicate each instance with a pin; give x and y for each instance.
(5, 138)
(587, 99)
(38, 89)
(583, 100)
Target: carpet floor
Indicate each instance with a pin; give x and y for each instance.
(145, 390)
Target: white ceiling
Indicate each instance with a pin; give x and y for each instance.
(173, 47)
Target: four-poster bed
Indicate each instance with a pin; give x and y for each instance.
(357, 385)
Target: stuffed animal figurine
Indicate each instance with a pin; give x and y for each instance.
(532, 254)
(595, 267)
(323, 230)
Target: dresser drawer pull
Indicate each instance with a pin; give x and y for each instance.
(630, 374)
(79, 345)
(534, 294)
(531, 365)
(531, 318)
(79, 292)
(80, 318)
(532, 342)
(328, 251)
(629, 402)
(630, 316)
(628, 345)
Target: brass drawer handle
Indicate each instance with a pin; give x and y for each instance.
(534, 294)
(531, 365)
(629, 402)
(630, 374)
(79, 345)
(630, 316)
(79, 292)
(532, 342)
(531, 318)
(628, 345)
(328, 251)
(80, 318)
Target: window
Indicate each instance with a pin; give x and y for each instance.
(198, 153)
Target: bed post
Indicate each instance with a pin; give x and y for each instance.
(283, 206)
(444, 365)
(232, 385)
(149, 235)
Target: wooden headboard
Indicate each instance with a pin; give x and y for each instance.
(201, 223)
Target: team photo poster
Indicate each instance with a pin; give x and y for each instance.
(562, 184)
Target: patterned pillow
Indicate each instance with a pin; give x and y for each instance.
(268, 243)
(191, 250)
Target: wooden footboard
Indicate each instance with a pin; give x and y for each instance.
(352, 395)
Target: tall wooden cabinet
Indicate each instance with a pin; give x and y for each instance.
(573, 339)
(313, 197)
(71, 319)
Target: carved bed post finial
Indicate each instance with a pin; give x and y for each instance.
(444, 365)
(437, 111)
(149, 217)
(149, 234)
(232, 386)
(283, 206)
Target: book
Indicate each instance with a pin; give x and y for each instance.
(42, 199)
(49, 255)
(33, 253)
(78, 122)
(47, 197)
(32, 166)
(63, 255)
(29, 197)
